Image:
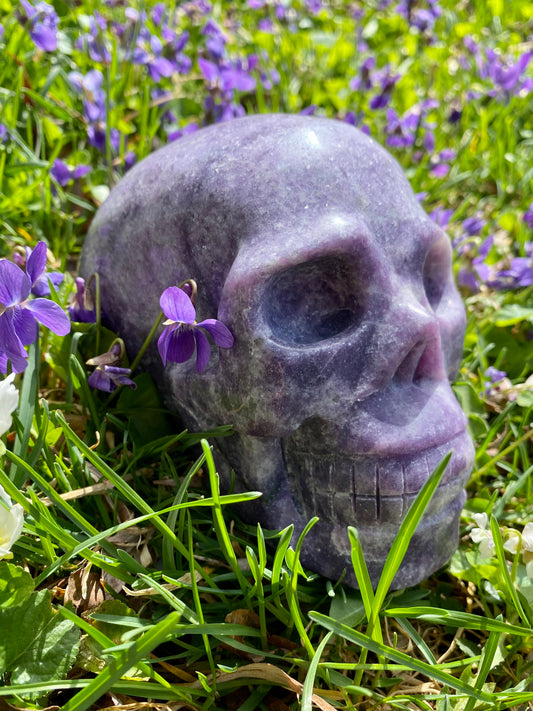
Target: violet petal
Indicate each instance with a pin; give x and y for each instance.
(14, 284)
(50, 315)
(203, 350)
(36, 262)
(100, 381)
(180, 345)
(25, 325)
(177, 306)
(44, 37)
(10, 343)
(221, 334)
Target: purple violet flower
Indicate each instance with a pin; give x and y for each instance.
(441, 216)
(108, 375)
(495, 375)
(80, 309)
(34, 262)
(182, 333)
(19, 314)
(473, 225)
(90, 85)
(93, 41)
(528, 216)
(497, 381)
(43, 24)
(63, 174)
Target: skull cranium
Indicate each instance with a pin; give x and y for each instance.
(306, 240)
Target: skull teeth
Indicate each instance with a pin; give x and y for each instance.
(367, 490)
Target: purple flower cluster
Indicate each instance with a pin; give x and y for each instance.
(94, 108)
(20, 314)
(163, 56)
(42, 21)
(405, 130)
(380, 81)
(94, 41)
(497, 386)
(423, 18)
(225, 78)
(283, 11)
(64, 174)
(506, 76)
(507, 273)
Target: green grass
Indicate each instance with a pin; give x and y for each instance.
(201, 610)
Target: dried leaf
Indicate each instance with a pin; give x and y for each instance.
(85, 589)
(273, 675)
(243, 617)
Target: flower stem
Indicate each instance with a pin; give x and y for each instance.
(501, 455)
(147, 342)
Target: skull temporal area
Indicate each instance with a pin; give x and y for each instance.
(307, 241)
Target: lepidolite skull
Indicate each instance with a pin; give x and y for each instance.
(306, 240)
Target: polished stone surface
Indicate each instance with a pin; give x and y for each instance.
(306, 240)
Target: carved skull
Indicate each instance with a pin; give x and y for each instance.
(306, 240)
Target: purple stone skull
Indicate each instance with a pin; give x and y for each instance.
(307, 241)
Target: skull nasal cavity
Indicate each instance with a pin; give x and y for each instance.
(421, 365)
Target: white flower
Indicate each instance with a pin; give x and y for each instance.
(527, 548)
(9, 398)
(527, 537)
(11, 520)
(483, 535)
(512, 542)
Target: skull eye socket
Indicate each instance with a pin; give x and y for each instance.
(312, 302)
(437, 271)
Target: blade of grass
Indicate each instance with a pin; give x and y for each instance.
(168, 557)
(106, 643)
(218, 518)
(406, 532)
(307, 691)
(454, 618)
(500, 554)
(429, 670)
(44, 521)
(198, 602)
(136, 651)
(361, 572)
(417, 640)
(487, 658)
(171, 599)
(292, 590)
(27, 404)
(367, 594)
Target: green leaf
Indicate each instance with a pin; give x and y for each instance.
(16, 585)
(511, 314)
(147, 419)
(37, 644)
(347, 607)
